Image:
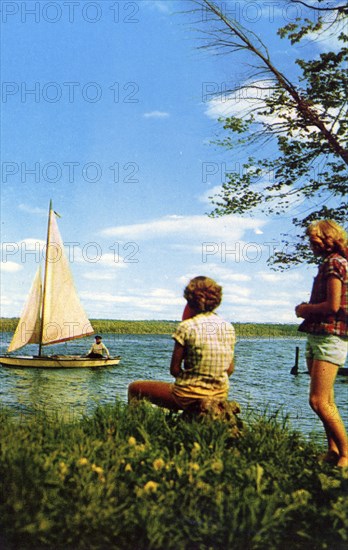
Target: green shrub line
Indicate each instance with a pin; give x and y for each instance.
(140, 477)
(105, 326)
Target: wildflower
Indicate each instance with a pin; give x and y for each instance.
(82, 461)
(195, 449)
(150, 487)
(158, 464)
(111, 431)
(328, 482)
(301, 497)
(139, 492)
(132, 441)
(63, 468)
(97, 469)
(194, 466)
(128, 468)
(203, 487)
(141, 448)
(44, 524)
(217, 466)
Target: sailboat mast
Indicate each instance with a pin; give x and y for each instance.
(45, 278)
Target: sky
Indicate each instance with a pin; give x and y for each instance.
(108, 109)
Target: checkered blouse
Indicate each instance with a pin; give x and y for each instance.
(209, 348)
(337, 266)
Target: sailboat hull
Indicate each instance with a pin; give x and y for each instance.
(57, 361)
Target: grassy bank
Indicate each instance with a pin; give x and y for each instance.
(135, 477)
(243, 330)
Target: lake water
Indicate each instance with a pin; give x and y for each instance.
(261, 379)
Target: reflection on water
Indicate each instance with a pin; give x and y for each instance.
(262, 378)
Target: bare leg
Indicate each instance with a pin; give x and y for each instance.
(158, 393)
(321, 400)
(333, 453)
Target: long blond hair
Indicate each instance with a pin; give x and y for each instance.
(329, 236)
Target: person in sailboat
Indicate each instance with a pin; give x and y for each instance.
(98, 349)
(203, 355)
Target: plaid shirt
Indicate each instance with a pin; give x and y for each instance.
(334, 265)
(209, 348)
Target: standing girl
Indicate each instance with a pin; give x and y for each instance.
(325, 321)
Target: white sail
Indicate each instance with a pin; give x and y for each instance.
(63, 316)
(28, 328)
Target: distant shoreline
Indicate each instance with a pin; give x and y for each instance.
(111, 326)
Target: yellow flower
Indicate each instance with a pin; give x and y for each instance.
(128, 468)
(63, 468)
(204, 487)
(158, 464)
(82, 461)
(132, 441)
(194, 466)
(301, 496)
(150, 487)
(217, 466)
(141, 448)
(139, 492)
(97, 469)
(196, 449)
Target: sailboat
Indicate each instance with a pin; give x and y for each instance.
(52, 313)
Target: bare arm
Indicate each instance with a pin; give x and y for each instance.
(177, 358)
(230, 369)
(331, 305)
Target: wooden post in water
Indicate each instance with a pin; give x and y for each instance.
(294, 369)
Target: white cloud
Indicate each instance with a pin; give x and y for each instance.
(327, 39)
(223, 274)
(281, 278)
(250, 98)
(33, 210)
(163, 6)
(10, 267)
(240, 102)
(112, 260)
(187, 227)
(207, 196)
(5, 301)
(156, 299)
(92, 276)
(192, 249)
(22, 247)
(156, 114)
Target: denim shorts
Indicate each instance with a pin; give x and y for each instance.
(327, 347)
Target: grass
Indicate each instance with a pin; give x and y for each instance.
(138, 477)
(243, 330)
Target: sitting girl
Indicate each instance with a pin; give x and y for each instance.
(202, 359)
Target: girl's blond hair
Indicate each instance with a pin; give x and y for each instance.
(330, 237)
(203, 294)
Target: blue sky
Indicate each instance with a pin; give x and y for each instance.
(105, 111)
